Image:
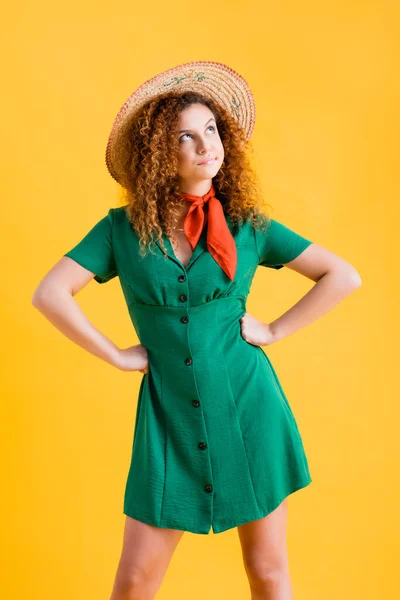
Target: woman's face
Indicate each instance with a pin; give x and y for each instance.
(198, 138)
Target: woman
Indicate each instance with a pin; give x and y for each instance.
(215, 441)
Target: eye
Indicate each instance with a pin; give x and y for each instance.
(209, 127)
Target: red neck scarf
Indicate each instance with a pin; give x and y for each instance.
(220, 242)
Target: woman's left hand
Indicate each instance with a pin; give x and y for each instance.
(255, 332)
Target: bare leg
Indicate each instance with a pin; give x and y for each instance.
(265, 556)
(146, 553)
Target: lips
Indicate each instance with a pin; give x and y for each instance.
(208, 161)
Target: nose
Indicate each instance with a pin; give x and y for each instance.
(205, 146)
(206, 151)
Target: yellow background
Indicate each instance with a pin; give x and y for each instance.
(325, 81)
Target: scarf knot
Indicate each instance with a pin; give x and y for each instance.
(220, 242)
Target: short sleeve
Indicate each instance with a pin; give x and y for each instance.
(278, 244)
(95, 251)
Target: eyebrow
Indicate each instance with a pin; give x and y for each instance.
(183, 130)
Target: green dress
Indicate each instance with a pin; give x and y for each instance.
(215, 442)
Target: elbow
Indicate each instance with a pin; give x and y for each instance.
(349, 274)
(39, 297)
(46, 294)
(355, 279)
(348, 277)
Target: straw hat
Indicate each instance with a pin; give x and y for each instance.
(212, 79)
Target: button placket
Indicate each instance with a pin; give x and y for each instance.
(188, 361)
(185, 318)
(183, 298)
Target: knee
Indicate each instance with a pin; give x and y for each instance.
(261, 572)
(131, 585)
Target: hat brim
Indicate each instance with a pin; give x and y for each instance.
(213, 79)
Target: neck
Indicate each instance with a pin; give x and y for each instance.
(199, 188)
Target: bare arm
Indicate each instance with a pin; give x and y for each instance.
(54, 298)
(335, 279)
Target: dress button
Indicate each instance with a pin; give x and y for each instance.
(195, 403)
(182, 278)
(185, 319)
(182, 298)
(188, 361)
(208, 488)
(202, 445)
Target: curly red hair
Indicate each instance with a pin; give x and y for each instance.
(149, 155)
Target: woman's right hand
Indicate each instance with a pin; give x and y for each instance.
(133, 358)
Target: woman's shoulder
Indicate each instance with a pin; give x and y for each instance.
(118, 215)
(119, 211)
